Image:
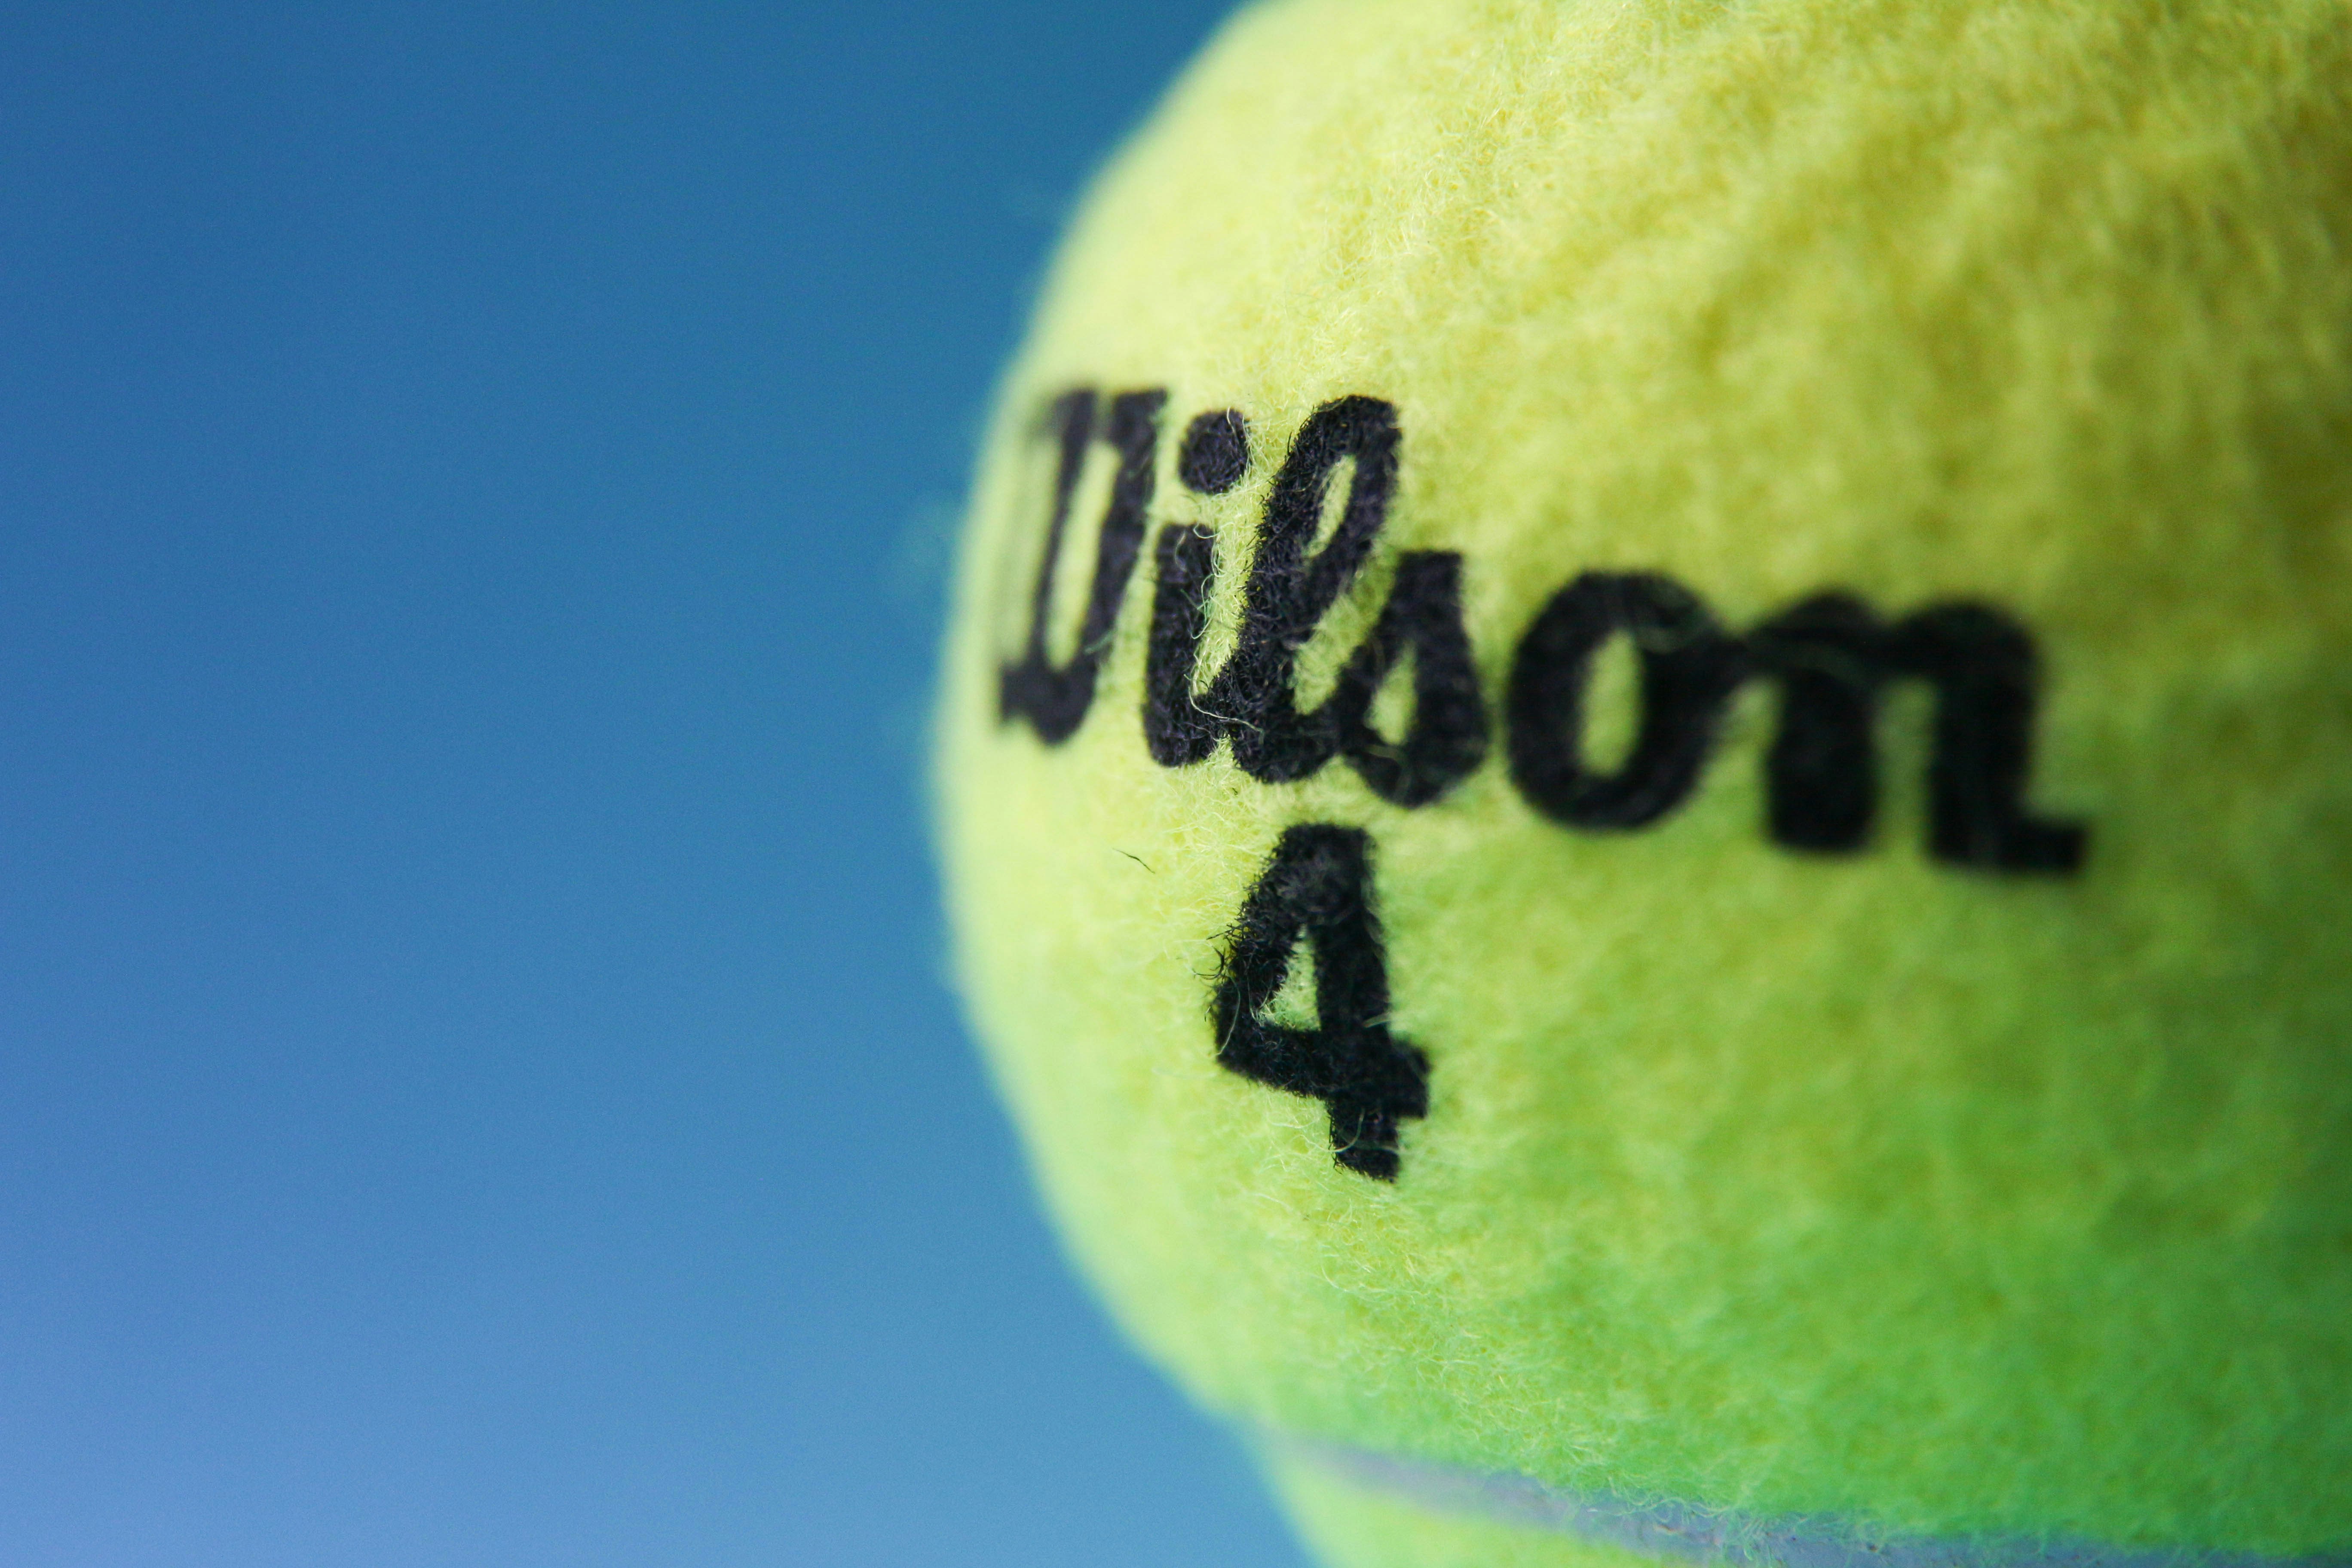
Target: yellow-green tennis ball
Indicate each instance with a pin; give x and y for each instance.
(1646, 772)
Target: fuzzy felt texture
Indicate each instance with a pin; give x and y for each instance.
(1925, 1095)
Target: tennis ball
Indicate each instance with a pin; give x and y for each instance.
(1645, 769)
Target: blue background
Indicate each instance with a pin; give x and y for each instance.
(475, 1084)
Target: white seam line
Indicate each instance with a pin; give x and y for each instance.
(1686, 1534)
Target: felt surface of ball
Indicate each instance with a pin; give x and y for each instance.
(1645, 761)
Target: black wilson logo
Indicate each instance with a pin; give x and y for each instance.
(1831, 655)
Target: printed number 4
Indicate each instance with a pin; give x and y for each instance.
(1316, 892)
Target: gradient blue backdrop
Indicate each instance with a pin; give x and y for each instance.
(475, 1085)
